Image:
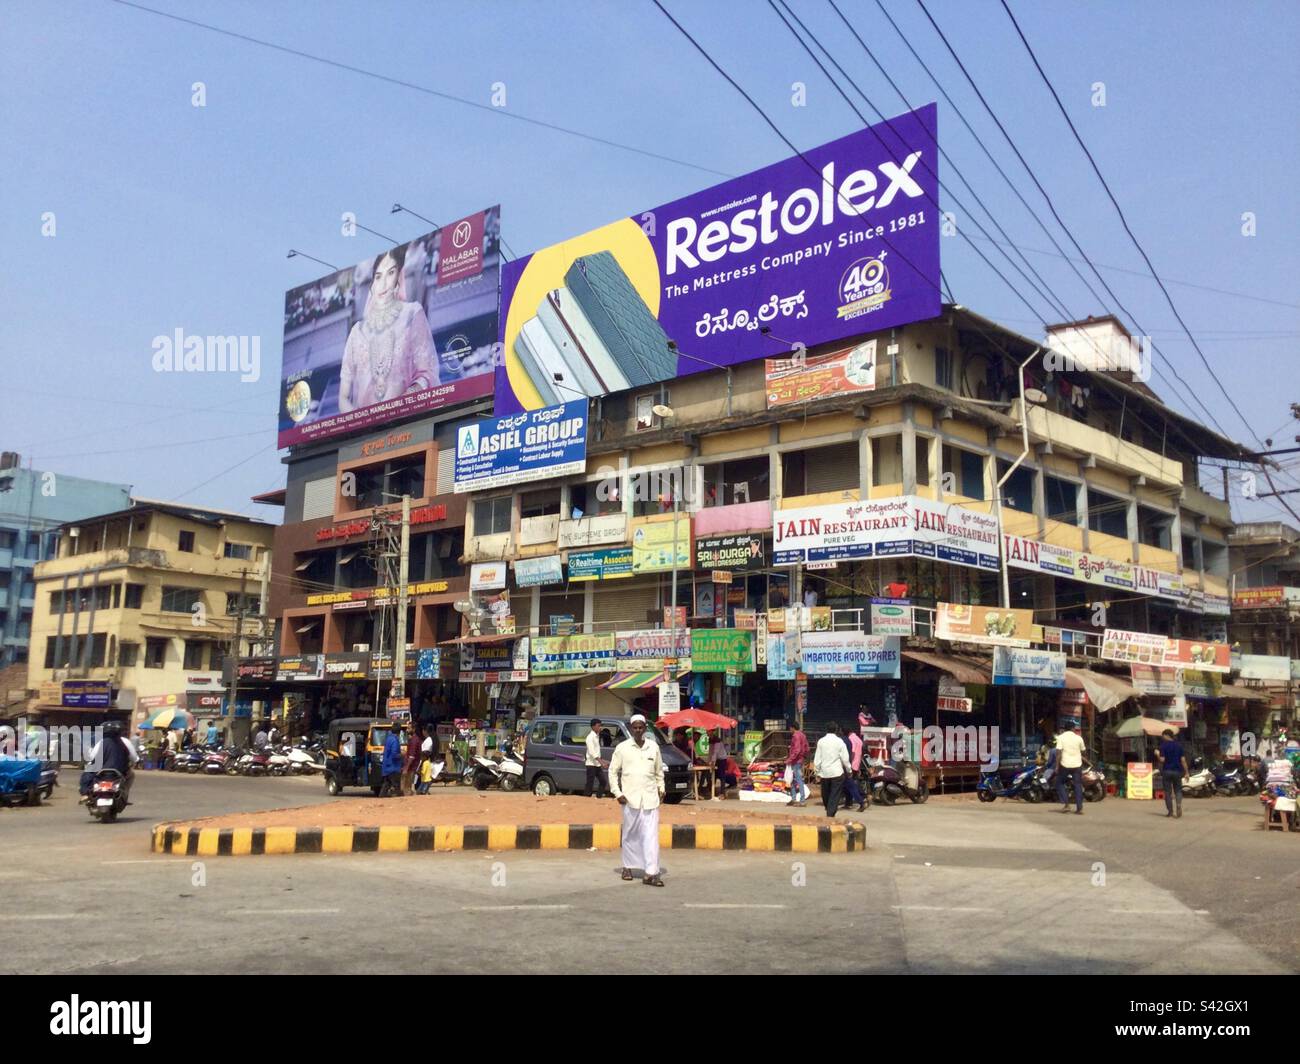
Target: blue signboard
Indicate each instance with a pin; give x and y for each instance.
(600, 564)
(530, 445)
(87, 694)
(1028, 668)
(428, 663)
(533, 572)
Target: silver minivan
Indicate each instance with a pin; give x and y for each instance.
(555, 753)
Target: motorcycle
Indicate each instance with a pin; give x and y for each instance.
(1094, 783)
(1024, 784)
(303, 760)
(887, 784)
(508, 772)
(1200, 784)
(107, 795)
(189, 760)
(215, 762)
(1229, 781)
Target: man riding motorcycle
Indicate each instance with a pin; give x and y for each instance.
(113, 751)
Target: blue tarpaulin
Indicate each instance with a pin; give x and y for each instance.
(17, 774)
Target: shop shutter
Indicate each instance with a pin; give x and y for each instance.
(318, 498)
(446, 470)
(832, 468)
(617, 607)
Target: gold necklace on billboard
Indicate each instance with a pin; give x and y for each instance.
(381, 343)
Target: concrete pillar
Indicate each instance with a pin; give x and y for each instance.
(1176, 537)
(1040, 499)
(936, 467)
(1131, 514)
(1081, 511)
(864, 465)
(909, 450)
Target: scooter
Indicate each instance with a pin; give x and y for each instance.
(1200, 784)
(1094, 783)
(1229, 781)
(508, 772)
(1024, 784)
(887, 784)
(301, 761)
(107, 795)
(215, 762)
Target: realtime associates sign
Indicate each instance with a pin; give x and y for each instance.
(849, 246)
(902, 526)
(533, 445)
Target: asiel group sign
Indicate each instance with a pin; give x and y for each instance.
(841, 241)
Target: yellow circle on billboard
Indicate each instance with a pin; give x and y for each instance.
(545, 271)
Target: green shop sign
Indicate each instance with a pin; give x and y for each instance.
(720, 649)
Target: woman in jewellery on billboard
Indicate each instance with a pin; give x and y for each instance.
(390, 350)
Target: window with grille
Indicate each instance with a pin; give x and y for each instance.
(180, 599)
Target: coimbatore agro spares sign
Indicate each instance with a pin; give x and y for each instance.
(850, 654)
(412, 329)
(841, 241)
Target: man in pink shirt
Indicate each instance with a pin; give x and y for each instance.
(794, 761)
(852, 792)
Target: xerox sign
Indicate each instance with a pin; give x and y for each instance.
(841, 241)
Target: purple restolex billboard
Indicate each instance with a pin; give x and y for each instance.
(411, 329)
(842, 241)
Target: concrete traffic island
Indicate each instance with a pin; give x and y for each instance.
(460, 820)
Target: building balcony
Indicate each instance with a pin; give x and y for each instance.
(1156, 558)
(1112, 547)
(118, 557)
(1197, 501)
(1119, 454)
(7, 558)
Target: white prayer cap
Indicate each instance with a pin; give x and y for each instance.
(637, 717)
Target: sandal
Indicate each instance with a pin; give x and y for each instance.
(627, 874)
(653, 881)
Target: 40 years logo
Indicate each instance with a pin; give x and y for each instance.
(864, 288)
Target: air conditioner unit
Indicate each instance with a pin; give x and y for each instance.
(361, 648)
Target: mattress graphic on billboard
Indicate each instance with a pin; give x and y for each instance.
(839, 242)
(411, 329)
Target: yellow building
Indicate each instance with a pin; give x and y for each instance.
(146, 600)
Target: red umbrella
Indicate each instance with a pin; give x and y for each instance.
(694, 718)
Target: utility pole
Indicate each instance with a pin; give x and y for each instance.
(235, 653)
(398, 689)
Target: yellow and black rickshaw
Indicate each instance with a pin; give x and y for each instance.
(362, 767)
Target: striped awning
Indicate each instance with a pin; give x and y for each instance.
(624, 680)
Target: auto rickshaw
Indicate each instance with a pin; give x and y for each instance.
(364, 769)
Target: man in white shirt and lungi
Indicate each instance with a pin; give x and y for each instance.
(636, 778)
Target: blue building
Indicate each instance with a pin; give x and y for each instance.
(32, 506)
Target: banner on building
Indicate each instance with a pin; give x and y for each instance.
(411, 330)
(653, 540)
(530, 445)
(1142, 648)
(87, 694)
(901, 526)
(608, 564)
(536, 572)
(987, 625)
(572, 655)
(648, 649)
(347, 666)
(1013, 666)
(1198, 654)
(720, 649)
(850, 654)
(594, 530)
(1253, 667)
(503, 662)
(1156, 680)
(308, 667)
(739, 551)
(891, 616)
(848, 247)
(803, 379)
(1264, 598)
(487, 576)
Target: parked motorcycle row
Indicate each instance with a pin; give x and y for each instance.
(281, 759)
(1219, 779)
(1037, 783)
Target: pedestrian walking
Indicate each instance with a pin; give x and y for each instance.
(636, 779)
(831, 760)
(412, 763)
(1070, 749)
(211, 738)
(597, 780)
(852, 792)
(794, 765)
(1173, 767)
(390, 766)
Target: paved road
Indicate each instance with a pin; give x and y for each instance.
(946, 887)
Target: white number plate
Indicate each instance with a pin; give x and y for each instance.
(680, 786)
(105, 801)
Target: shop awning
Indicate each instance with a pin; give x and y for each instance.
(1138, 726)
(1248, 694)
(495, 637)
(1105, 691)
(621, 680)
(965, 670)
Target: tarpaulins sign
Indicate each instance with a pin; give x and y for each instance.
(562, 655)
(533, 445)
(847, 247)
(390, 337)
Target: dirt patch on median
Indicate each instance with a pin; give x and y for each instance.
(466, 807)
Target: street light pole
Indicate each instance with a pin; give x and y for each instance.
(997, 492)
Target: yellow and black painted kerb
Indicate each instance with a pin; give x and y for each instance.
(237, 842)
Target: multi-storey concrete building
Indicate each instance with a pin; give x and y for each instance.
(33, 504)
(144, 603)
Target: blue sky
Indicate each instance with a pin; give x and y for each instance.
(171, 216)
